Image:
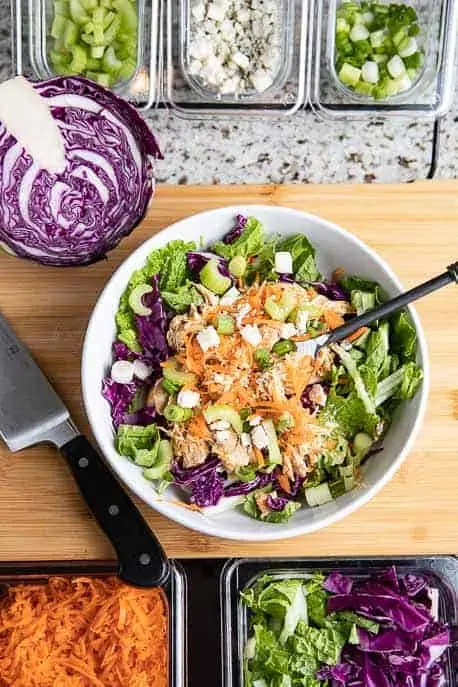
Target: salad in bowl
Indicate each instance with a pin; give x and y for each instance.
(214, 388)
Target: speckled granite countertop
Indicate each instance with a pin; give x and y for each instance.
(300, 149)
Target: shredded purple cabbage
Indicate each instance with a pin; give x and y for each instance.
(123, 352)
(207, 489)
(152, 329)
(236, 230)
(277, 502)
(262, 479)
(339, 673)
(414, 584)
(119, 396)
(144, 416)
(408, 649)
(204, 481)
(331, 290)
(185, 476)
(306, 400)
(198, 259)
(287, 278)
(336, 583)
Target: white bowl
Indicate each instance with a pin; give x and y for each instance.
(335, 248)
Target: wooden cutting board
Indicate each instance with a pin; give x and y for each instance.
(414, 227)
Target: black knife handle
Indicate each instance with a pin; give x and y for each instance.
(142, 562)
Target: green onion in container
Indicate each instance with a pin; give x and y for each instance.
(96, 39)
(376, 50)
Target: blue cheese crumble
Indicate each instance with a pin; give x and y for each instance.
(235, 45)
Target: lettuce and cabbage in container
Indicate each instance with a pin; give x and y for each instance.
(342, 630)
(213, 387)
(75, 170)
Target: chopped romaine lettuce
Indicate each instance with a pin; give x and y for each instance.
(249, 242)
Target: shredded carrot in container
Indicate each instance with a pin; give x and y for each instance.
(83, 632)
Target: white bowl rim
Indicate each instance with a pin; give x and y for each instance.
(179, 513)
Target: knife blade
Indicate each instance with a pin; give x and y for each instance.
(31, 412)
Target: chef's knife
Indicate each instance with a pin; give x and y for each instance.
(31, 412)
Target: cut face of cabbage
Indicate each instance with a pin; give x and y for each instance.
(27, 117)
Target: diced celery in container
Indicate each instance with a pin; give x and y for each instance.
(378, 51)
(96, 39)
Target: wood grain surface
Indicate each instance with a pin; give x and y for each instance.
(413, 226)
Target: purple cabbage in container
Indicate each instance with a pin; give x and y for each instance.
(340, 673)
(236, 230)
(414, 584)
(336, 583)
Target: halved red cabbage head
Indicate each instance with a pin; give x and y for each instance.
(75, 216)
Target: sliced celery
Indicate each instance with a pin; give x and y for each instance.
(78, 13)
(79, 59)
(93, 64)
(95, 38)
(58, 26)
(127, 69)
(61, 8)
(127, 13)
(97, 51)
(70, 35)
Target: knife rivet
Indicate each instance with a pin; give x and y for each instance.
(83, 462)
(113, 510)
(145, 559)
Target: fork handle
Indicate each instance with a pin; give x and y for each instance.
(395, 304)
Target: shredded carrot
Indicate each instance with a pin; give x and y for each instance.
(182, 504)
(258, 455)
(197, 427)
(83, 632)
(333, 319)
(283, 481)
(359, 332)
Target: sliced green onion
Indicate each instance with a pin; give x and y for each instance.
(174, 413)
(263, 358)
(283, 347)
(225, 325)
(284, 422)
(372, 35)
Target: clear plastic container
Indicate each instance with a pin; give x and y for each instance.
(174, 590)
(239, 574)
(432, 92)
(190, 97)
(305, 78)
(33, 45)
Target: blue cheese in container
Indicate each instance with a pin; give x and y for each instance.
(235, 45)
